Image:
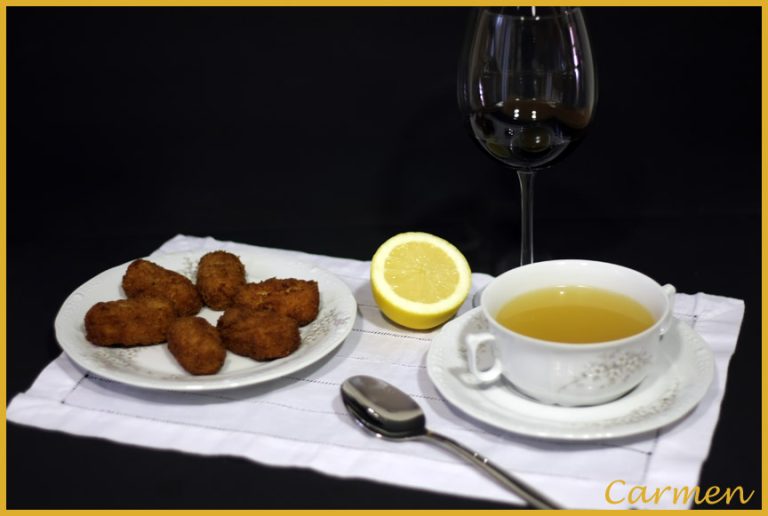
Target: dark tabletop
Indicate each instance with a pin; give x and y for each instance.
(327, 130)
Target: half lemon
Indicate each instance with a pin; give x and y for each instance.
(419, 280)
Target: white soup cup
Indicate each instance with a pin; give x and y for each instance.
(562, 373)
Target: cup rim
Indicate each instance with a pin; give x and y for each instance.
(606, 344)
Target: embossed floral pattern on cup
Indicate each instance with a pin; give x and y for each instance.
(613, 367)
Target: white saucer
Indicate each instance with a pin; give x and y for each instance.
(677, 382)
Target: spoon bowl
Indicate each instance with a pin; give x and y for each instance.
(382, 408)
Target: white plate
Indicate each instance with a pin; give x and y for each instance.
(154, 367)
(678, 381)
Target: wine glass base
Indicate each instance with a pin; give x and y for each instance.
(507, 262)
(511, 260)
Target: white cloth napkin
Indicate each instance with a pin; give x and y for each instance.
(299, 421)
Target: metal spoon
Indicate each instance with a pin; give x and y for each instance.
(390, 413)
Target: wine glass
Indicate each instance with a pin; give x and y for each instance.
(527, 89)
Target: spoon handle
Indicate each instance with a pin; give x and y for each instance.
(517, 486)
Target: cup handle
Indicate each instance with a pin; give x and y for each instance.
(669, 291)
(474, 342)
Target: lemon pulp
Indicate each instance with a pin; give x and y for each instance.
(421, 271)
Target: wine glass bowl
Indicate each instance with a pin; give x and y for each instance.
(527, 89)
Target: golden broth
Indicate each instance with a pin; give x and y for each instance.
(574, 315)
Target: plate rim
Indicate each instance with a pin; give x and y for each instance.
(703, 385)
(345, 300)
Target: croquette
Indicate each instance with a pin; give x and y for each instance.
(219, 276)
(196, 345)
(259, 334)
(147, 278)
(129, 322)
(298, 299)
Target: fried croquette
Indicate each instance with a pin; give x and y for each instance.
(298, 299)
(196, 345)
(137, 321)
(219, 276)
(260, 334)
(146, 278)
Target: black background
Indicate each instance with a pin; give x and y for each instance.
(327, 130)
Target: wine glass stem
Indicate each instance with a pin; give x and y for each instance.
(526, 215)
